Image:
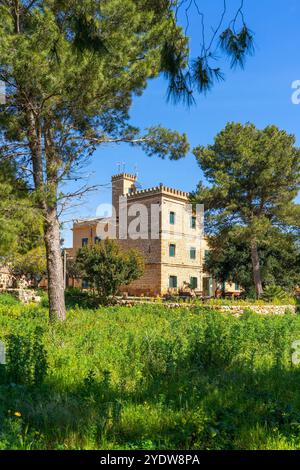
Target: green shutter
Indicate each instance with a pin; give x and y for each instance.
(193, 222)
(173, 282)
(172, 250)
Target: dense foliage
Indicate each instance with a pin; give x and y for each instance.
(229, 259)
(62, 100)
(148, 378)
(254, 177)
(31, 265)
(20, 221)
(106, 267)
(71, 70)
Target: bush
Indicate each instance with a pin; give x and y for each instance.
(77, 298)
(8, 299)
(272, 293)
(106, 267)
(26, 358)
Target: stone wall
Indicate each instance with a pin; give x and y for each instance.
(261, 309)
(25, 296)
(235, 310)
(240, 309)
(150, 249)
(5, 278)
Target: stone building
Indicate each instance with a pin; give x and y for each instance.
(160, 223)
(6, 278)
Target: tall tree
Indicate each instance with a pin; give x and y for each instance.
(71, 69)
(229, 259)
(254, 178)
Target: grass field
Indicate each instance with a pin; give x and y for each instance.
(148, 378)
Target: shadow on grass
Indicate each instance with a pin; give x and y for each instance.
(192, 408)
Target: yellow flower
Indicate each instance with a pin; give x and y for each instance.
(17, 413)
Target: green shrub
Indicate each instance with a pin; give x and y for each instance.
(8, 299)
(76, 297)
(272, 293)
(26, 358)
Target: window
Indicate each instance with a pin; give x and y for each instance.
(206, 255)
(84, 242)
(193, 222)
(194, 283)
(172, 250)
(85, 284)
(97, 240)
(208, 287)
(172, 218)
(237, 286)
(193, 253)
(173, 282)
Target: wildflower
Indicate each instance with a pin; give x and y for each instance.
(18, 414)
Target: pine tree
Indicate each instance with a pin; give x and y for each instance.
(254, 178)
(71, 70)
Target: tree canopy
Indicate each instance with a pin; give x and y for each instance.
(106, 267)
(71, 70)
(229, 260)
(21, 223)
(254, 178)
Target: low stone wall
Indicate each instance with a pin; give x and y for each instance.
(26, 296)
(232, 309)
(261, 309)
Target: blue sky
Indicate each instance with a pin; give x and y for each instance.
(260, 94)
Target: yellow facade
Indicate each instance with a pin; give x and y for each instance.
(174, 250)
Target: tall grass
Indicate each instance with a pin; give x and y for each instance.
(149, 378)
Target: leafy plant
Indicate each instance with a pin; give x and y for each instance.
(106, 267)
(272, 293)
(26, 358)
(8, 299)
(254, 178)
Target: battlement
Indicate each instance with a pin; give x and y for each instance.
(90, 222)
(161, 189)
(127, 176)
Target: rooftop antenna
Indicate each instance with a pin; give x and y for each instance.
(119, 164)
(136, 171)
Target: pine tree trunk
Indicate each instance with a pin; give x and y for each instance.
(46, 186)
(256, 269)
(43, 185)
(57, 309)
(56, 291)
